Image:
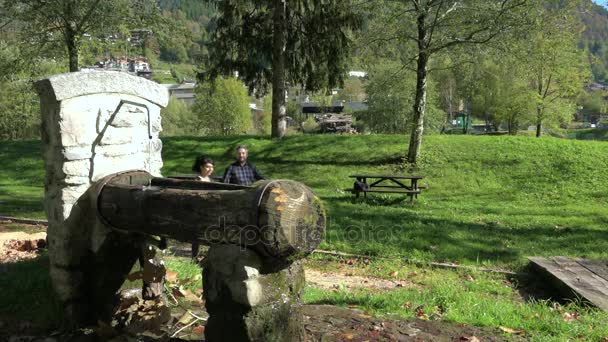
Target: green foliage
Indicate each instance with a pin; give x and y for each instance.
(316, 38)
(310, 126)
(177, 118)
(352, 90)
(262, 119)
(274, 43)
(221, 107)
(594, 38)
(390, 100)
(593, 103)
(19, 104)
(499, 93)
(194, 10)
(63, 23)
(390, 91)
(557, 70)
(424, 29)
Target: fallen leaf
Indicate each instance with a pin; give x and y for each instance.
(191, 297)
(512, 331)
(568, 317)
(420, 313)
(199, 330)
(394, 274)
(469, 338)
(185, 319)
(407, 305)
(171, 276)
(345, 336)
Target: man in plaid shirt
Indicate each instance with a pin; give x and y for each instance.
(241, 171)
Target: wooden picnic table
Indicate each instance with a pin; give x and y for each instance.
(389, 184)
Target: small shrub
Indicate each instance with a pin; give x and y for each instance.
(310, 126)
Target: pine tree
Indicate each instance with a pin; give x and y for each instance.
(275, 42)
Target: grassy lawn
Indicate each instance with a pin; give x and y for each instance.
(491, 201)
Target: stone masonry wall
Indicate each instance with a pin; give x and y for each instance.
(85, 138)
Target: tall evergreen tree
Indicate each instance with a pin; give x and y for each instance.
(276, 42)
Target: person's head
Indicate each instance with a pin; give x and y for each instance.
(203, 166)
(242, 153)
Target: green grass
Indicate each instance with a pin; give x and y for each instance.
(462, 296)
(21, 179)
(491, 200)
(27, 295)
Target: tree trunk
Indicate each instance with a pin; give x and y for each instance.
(72, 46)
(539, 113)
(279, 110)
(421, 84)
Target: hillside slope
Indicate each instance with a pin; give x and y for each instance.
(491, 200)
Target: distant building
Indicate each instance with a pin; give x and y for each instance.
(359, 74)
(183, 92)
(138, 36)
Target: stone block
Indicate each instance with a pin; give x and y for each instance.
(70, 85)
(110, 151)
(76, 167)
(116, 136)
(246, 304)
(75, 152)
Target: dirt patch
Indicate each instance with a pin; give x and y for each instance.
(332, 280)
(19, 245)
(332, 323)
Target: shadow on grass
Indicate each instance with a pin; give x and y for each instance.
(12, 204)
(398, 230)
(27, 297)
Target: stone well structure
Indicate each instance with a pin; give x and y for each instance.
(108, 207)
(93, 124)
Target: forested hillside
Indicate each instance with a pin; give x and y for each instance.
(595, 40)
(534, 74)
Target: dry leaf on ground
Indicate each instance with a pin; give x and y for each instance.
(512, 331)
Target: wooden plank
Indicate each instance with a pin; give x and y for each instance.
(572, 277)
(599, 268)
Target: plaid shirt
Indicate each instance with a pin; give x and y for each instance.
(241, 174)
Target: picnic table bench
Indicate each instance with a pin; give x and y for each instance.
(388, 184)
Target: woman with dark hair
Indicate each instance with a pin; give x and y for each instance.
(203, 167)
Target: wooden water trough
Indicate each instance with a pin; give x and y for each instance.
(576, 277)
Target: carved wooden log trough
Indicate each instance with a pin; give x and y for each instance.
(252, 278)
(279, 219)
